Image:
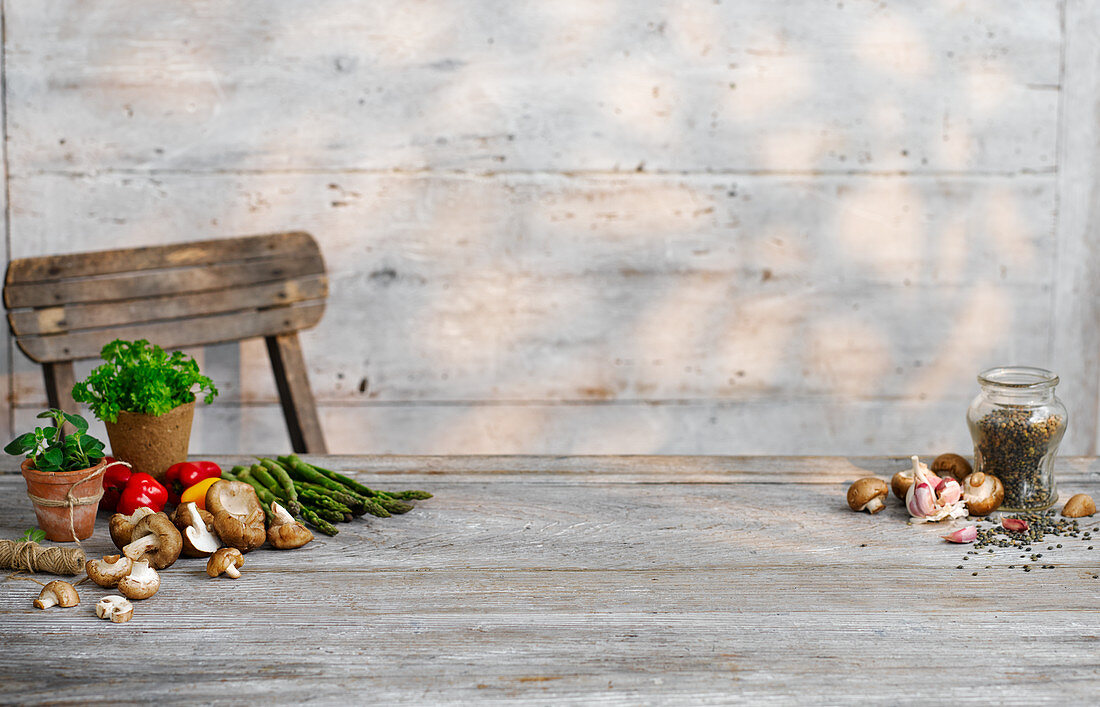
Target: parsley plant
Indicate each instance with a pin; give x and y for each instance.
(140, 377)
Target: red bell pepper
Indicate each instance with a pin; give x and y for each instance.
(142, 490)
(114, 481)
(186, 474)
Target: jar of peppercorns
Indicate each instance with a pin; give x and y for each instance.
(1016, 423)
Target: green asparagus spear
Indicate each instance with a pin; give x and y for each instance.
(319, 500)
(355, 503)
(282, 477)
(317, 522)
(304, 472)
(380, 499)
(327, 514)
(393, 505)
(411, 495)
(260, 474)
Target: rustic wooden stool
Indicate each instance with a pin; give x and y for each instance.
(63, 308)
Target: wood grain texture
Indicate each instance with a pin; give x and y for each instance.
(679, 86)
(1075, 338)
(629, 221)
(292, 379)
(174, 334)
(595, 580)
(70, 317)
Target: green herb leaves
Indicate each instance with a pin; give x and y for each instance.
(33, 535)
(49, 452)
(140, 377)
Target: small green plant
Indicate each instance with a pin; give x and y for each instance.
(140, 377)
(49, 451)
(33, 535)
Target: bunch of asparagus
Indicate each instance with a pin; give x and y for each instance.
(317, 496)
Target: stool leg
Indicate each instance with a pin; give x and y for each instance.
(59, 380)
(299, 407)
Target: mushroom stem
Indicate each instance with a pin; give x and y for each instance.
(46, 602)
(140, 546)
(232, 571)
(873, 505)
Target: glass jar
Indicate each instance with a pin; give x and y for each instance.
(1016, 423)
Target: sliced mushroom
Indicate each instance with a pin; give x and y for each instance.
(983, 493)
(286, 533)
(156, 540)
(117, 609)
(57, 593)
(109, 570)
(1079, 506)
(238, 515)
(225, 560)
(142, 582)
(196, 527)
(122, 526)
(867, 494)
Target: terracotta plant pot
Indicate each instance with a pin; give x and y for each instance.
(50, 492)
(152, 443)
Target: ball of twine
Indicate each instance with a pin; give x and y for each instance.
(32, 557)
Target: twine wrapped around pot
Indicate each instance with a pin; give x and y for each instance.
(70, 500)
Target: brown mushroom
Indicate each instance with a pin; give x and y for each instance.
(866, 495)
(142, 582)
(122, 526)
(901, 482)
(196, 528)
(284, 532)
(951, 465)
(57, 593)
(156, 540)
(109, 570)
(983, 493)
(115, 609)
(1079, 506)
(225, 560)
(238, 515)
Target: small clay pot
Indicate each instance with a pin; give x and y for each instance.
(152, 443)
(54, 486)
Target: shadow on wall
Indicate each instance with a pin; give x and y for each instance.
(728, 228)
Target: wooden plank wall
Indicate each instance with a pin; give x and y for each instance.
(677, 227)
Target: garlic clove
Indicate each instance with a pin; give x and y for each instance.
(921, 500)
(963, 535)
(1016, 525)
(948, 491)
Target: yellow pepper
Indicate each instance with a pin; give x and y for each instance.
(197, 493)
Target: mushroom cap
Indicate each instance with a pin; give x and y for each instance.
(122, 526)
(57, 593)
(901, 482)
(238, 515)
(1079, 506)
(118, 609)
(196, 527)
(224, 559)
(156, 540)
(285, 533)
(109, 570)
(864, 491)
(951, 464)
(142, 582)
(983, 493)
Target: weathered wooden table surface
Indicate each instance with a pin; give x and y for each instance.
(633, 580)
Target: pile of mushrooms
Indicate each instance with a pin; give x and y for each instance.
(232, 524)
(945, 490)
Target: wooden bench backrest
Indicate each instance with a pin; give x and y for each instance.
(66, 307)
